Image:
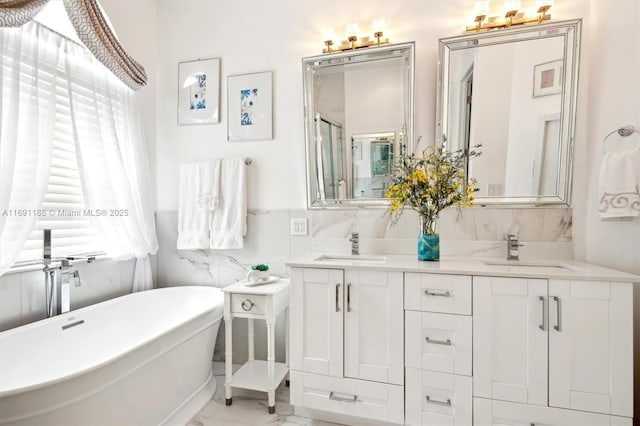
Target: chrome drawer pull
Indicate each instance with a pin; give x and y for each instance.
(338, 297)
(349, 297)
(558, 325)
(439, 342)
(543, 326)
(435, 401)
(337, 398)
(246, 305)
(437, 294)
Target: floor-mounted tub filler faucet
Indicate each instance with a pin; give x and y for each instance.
(58, 280)
(355, 243)
(513, 246)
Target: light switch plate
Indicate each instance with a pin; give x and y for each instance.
(298, 226)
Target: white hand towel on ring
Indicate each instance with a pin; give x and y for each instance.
(619, 184)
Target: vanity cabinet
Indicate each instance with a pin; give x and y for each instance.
(561, 343)
(347, 342)
(455, 344)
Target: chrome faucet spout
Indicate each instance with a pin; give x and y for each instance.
(58, 279)
(355, 243)
(513, 246)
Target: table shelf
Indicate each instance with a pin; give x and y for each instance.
(253, 375)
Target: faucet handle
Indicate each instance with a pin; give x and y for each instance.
(511, 237)
(355, 236)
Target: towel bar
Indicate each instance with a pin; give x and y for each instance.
(622, 131)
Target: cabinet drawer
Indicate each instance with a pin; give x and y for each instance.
(438, 398)
(372, 400)
(487, 412)
(450, 294)
(248, 303)
(438, 342)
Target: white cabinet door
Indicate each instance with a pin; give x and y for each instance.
(591, 346)
(500, 413)
(510, 339)
(374, 321)
(316, 317)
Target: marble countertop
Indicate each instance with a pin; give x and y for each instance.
(495, 267)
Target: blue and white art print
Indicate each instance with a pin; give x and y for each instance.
(249, 101)
(198, 87)
(199, 92)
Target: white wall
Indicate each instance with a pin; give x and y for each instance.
(611, 98)
(275, 35)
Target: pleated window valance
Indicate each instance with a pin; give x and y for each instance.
(92, 29)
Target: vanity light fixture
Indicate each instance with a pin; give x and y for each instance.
(328, 35)
(353, 38)
(512, 15)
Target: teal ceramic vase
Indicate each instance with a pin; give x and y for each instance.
(428, 241)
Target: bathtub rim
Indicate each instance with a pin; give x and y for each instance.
(94, 367)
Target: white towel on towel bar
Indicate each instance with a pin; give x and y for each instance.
(228, 222)
(193, 221)
(619, 184)
(209, 184)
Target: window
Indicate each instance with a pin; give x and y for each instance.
(64, 208)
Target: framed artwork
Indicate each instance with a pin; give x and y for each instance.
(547, 78)
(249, 107)
(199, 92)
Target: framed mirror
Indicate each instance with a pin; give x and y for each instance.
(514, 92)
(358, 118)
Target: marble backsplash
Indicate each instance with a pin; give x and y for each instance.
(478, 233)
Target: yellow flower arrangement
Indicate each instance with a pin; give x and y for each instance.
(430, 183)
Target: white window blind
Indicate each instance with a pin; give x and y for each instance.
(63, 210)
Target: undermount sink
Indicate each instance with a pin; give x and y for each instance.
(538, 265)
(350, 258)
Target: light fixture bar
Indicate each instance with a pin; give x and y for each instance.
(353, 40)
(511, 18)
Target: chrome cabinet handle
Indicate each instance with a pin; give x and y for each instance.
(338, 398)
(349, 297)
(435, 401)
(558, 325)
(439, 342)
(338, 297)
(543, 326)
(437, 294)
(247, 304)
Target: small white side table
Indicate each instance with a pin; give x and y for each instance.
(263, 302)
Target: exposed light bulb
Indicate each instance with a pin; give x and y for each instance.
(481, 7)
(352, 30)
(328, 34)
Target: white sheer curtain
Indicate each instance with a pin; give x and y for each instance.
(29, 82)
(109, 143)
(112, 161)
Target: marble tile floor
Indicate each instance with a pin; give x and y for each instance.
(249, 408)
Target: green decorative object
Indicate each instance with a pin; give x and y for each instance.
(260, 267)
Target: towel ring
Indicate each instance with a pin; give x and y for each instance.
(622, 131)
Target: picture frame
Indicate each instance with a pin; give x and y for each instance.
(547, 78)
(250, 107)
(199, 92)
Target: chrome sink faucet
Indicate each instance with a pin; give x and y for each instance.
(355, 243)
(513, 246)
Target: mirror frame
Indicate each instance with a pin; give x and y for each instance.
(571, 31)
(309, 64)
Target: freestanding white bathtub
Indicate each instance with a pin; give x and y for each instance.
(140, 359)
